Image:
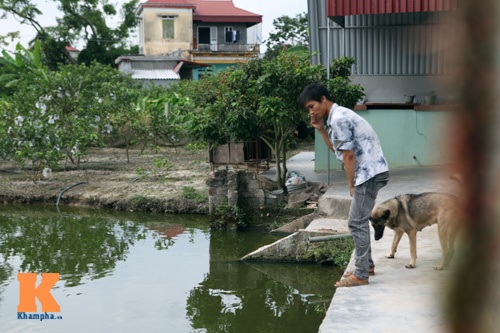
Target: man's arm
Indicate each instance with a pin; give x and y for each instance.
(324, 135)
(350, 166)
(347, 155)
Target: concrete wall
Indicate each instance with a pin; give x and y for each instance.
(238, 187)
(409, 138)
(154, 43)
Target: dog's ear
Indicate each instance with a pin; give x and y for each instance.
(386, 214)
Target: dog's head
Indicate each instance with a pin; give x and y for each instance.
(379, 219)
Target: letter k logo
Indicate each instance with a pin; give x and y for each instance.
(29, 291)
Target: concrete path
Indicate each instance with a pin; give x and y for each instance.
(397, 299)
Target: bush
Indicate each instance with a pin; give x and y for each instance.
(190, 192)
(64, 113)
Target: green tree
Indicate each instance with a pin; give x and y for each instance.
(257, 101)
(63, 114)
(276, 86)
(288, 32)
(340, 87)
(81, 20)
(14, 68)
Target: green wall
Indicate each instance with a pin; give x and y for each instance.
(404, 134)
(215, 68)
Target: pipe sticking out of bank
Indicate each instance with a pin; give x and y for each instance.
(59, 198)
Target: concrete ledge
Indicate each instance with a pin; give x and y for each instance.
(294, 247)
(397, 299)
(284, 249)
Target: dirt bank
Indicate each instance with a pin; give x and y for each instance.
(108, 177)
(174, 181)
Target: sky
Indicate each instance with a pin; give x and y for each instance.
(270, 10)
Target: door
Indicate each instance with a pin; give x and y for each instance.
(213, 39)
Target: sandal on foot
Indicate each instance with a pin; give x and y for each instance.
(371, 271)
(351, 281)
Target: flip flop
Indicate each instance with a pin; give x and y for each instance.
(371, 271)
(351, 281)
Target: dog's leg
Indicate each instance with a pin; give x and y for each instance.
(395, 242)
(443, 239)
(451, 245)
(413, 249)
(447, 239)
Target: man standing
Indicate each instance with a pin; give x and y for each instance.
(357, 146)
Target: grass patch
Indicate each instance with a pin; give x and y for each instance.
(190, 192)
(337, 251)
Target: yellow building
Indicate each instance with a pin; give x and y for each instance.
(201, 31)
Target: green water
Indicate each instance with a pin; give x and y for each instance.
(152, 273)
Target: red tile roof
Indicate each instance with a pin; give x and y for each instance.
(209, 10)
(168, 4)
(222, 11)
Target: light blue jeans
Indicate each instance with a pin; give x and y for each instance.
(362, 203)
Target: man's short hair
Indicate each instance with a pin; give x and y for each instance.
(313, 92)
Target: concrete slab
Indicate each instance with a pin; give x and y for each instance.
(292, 247)
(397, 299)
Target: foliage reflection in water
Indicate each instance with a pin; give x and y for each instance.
(130, 272)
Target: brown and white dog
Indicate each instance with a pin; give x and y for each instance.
(410, 213)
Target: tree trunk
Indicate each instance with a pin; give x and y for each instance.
(279, 180)
(285, 170)
(126, 148)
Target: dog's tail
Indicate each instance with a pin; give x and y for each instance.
(460, 180)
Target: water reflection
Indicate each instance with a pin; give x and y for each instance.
(72, 246)
(178, 275)
(258, 297)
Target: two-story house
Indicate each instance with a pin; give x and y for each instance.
(210, 32)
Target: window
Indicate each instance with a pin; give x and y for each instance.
(204, 35)
(168, 26)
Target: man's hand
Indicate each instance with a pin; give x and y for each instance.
(317, 122)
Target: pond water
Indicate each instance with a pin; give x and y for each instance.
(136, 272)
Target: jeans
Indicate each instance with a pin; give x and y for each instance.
(362, 203)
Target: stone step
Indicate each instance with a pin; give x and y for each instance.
(293, 247)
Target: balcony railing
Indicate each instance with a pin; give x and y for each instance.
(227, 48)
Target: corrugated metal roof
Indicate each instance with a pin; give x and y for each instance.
(363, 7)
(155, 74)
